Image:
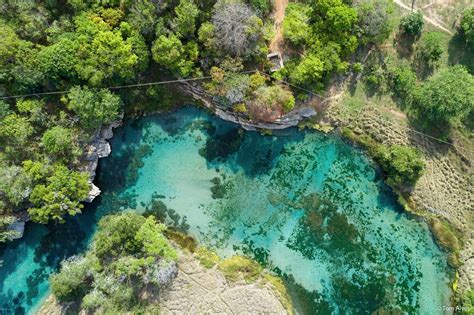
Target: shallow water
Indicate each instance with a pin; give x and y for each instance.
(305, 205)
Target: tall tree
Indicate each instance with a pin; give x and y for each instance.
(60, 195)
(447, 96)
(94, 107)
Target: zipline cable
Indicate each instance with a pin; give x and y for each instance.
(207, 78)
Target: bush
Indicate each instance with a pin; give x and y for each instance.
(270, 102)
(403, 81)
(58, 140)
(412, 24)
(430, 48)
(71, 283)
(467, 25)
(402, 165)
(447, 96)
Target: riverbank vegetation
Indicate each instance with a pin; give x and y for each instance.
(129, 255)
(85, 47)
(415, 90)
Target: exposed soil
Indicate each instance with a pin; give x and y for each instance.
(437, 22)
(278, 16)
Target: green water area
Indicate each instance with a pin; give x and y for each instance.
(308, 206)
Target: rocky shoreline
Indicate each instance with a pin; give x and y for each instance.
(96, 149)
(199, 289)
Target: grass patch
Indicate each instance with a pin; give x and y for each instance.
(207, 257)
(238, 267)
(447, 238)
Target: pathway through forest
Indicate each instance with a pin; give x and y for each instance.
(278, 16)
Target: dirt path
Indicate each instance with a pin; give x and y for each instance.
(427, 19)
(278, 16)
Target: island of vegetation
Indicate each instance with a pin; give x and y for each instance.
(397, 82)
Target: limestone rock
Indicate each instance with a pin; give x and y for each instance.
(94, 192)
(19, 228)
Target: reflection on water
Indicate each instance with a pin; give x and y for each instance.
(305, 205)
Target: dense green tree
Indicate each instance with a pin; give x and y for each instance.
(15, 129)
(153, 242)
(58, 141)
(309, 71)
(4, 109)
(262, 7)
(59, 60)
(59, 196)
(15, 184)
(34, 109)
(184, 24)
(170, 52)
(430, 48)
(19, 69)
(467, 25)
(116, 236)
(412, 24)
(94, 107)
(296, 27)
(376, 19)
(107, 52)
(127, 256)
(403, 165)
(71, 283)
(143, 15)
(207, 37)
(447, 96)
(30, 19)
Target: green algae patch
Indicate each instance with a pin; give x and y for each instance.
(237, 267)
(445, 236)
(207, 257)
(184, 241)
(280, 288)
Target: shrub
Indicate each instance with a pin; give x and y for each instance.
(430, 48)
(403, 81)
(467, 25)
(71, 283)
(447, 96)
(412, 24)
(402, 165)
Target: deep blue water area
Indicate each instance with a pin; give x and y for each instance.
(307, 206)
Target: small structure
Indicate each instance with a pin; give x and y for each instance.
(276, 60)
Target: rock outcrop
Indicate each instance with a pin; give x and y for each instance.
(288, 120)
(98, 148)
(200, 290)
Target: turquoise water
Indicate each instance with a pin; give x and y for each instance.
(305, 205)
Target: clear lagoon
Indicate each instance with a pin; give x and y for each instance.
(307, 206)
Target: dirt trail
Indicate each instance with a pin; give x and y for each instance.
(278, 16)
(427, 19)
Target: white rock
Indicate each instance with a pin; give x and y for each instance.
(94, 192)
